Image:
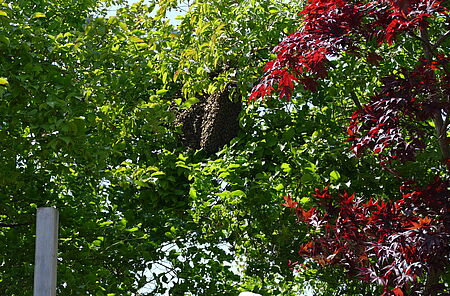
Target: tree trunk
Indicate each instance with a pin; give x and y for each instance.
(432, 282)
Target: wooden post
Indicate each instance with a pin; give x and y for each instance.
(46, 252)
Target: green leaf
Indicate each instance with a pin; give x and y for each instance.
(123, 26)
(306, 178)
(175, 76)
(97, 243)
(66, 140)
(3, 13)
(334, 176)
(112, 20)
(141, 183)
(279, 187)
(223, 175)
(190, 102)
(136, 39)
(106, 223)
(286, 167)
(289, 134)
(38, 15)
(156, 174)
(192, 193)
(4, 81)
(161, 92)
(237, 193)
(5, 40)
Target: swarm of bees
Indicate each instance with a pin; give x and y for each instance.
(211, 123)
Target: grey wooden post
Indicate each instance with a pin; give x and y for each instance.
(46, 252)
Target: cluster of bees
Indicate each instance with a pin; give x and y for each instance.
(211, 123)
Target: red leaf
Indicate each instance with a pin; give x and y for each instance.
(374, 59)
(269, 66)
(306, 215)
(397, 292)
(423, 222)
(306, 248)
(289, 202)
(322, 194)
(309, 83)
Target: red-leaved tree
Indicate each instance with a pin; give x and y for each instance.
(402, 244)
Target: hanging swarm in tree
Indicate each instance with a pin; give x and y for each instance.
(191, 121)
(220, 120)
(211, 123)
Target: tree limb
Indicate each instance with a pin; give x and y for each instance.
(4, 225)
(440, 40)
(443, 140)
(440, 124)
(427, 46)
(356, 101)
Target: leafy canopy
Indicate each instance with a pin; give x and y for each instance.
(400, 244)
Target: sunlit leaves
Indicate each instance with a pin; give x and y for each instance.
(331, 27)
(38, 15)
(394, 109)
(4, 81)
(382, 242)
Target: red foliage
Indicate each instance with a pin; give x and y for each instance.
(391, 243)
(388, 243)
(390, 124)
(332, 26)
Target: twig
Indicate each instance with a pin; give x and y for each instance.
(356, 101)
(440, 40)
(428, 48)
(15, 224)
(424, 38)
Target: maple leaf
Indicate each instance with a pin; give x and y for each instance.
(306, 248)
(332, 27)
(397, 291)
(379, 239)
(422, 222)
(270, 66)
(289, 202)
(347, 200)
(306, 215)
(374, 58)
(322, 194)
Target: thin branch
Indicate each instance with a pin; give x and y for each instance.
(440, 40)
(439, 122)
(122, 242)
(428, 48)
(441, 132)
(10, 225)
(356, 101)
(425, 41)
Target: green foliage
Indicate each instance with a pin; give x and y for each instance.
(87, 109)
(87, 104)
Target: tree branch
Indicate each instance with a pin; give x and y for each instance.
(440, 40)
(427, 47)
(356, 101)
(3, 225)
(432, 281)
(440, 124)
(443, 140)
